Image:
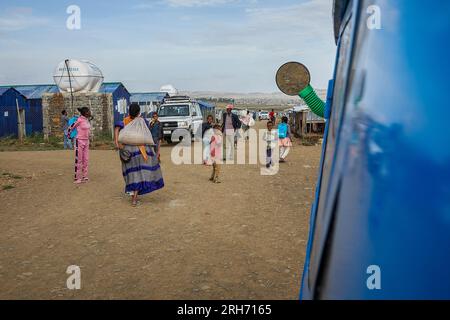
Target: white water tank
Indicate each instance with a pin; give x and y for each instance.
(78, 76)
(170, 89)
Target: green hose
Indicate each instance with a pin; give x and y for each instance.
(312, 100)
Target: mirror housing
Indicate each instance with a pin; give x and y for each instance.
(293, 78)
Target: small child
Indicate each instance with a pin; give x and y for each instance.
(284, 135)
(81, 145)
(271, 138)
(216, 152)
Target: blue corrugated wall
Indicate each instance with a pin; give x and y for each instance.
(8, 112)
(33, 110)
(120, 93)
(34, 117)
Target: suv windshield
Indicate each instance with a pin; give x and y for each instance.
(178, 110)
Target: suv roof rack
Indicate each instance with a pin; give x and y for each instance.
(177, 99)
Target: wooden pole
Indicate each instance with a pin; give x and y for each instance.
(19, 122)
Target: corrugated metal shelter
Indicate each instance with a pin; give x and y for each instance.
(121, 98)
(149, 101)
(207, 109)
(304, 121)
(8, 111)
(29, 98)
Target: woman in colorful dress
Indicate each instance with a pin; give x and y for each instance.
(142, 173)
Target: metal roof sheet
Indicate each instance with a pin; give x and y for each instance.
(36, 91)
(204, 104)
(310, 116)
(300, 108)
(31, 91)
(148, 97)
(110, 87)
(3, 90)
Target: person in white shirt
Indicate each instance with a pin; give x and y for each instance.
(270, 136)
(230, 125)
(246, 124)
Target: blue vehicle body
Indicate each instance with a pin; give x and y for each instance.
(383, 194)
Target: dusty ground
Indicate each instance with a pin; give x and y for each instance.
(242, 239)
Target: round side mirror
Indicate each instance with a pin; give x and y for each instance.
(292, 77)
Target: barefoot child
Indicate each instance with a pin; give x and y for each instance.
(83, 127)
(216, 152)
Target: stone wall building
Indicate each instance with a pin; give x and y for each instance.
(107, 106)
(99, 103)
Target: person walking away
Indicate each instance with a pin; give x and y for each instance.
(83, 128)
(142, 174)
(230, 125)
(272, 116)
(157, 133)
(246, 124)
(284, 135)
(216, 152)
(207, 133)
(270, 138)
(64, 127)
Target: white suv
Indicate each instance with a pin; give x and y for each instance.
(263, 115)
(179, 113)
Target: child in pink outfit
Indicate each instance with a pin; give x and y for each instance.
(81, 145)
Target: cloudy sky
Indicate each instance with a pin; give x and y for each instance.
(204, 45)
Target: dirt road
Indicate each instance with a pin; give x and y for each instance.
(242, 239)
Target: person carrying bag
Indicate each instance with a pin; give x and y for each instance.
(140, 166)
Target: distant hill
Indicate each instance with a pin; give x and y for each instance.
(256, 100)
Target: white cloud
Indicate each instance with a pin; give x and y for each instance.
(20, 18)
